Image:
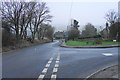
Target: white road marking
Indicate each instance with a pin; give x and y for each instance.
(53, 76)
(58, 56)
(44, 70)
(51, 59)
(47, 65)
(55, 42)
(56, 65)
(55, 69)
(57, 61)
(49, 62)
(107, 54)
(41, 76)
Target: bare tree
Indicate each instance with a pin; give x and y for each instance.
(27, 17)
(41, 15)
(21, 15)
(11, 12)
(111, 17)
(49, 32)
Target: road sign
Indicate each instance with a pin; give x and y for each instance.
(66, 34)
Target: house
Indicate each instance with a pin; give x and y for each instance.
(59, 35)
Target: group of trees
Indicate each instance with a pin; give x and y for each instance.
(112, 29)
(89, 31)
(20, 17)
(110, 32)
(115, 31)
(74, 32)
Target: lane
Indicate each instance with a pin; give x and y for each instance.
(50, 58)
(27, 63)
(79, 63)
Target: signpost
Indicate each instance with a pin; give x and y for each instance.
(66, 36)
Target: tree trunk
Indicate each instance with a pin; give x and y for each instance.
(21, 32)
(17, 33)
(25, 33)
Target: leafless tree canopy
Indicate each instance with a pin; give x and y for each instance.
(24, 16)
(111, 17)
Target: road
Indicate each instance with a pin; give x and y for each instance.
(51, 61)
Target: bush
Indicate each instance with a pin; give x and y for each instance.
(8, 38)
(30, 39)
(98, 41)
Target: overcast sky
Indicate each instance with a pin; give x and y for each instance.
(92, 11)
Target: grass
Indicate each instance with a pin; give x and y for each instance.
(83, 43)
(23, 44)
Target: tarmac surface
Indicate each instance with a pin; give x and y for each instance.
(52, 61)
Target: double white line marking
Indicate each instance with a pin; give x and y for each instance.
(45, 69)
(55, 69)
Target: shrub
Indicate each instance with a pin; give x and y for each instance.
(8, 38)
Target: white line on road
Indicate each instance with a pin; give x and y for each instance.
(53, 76)
(47, 65)
(49, 62)
(44, 70)
(57, 61)
(51, 59)
(41, 76)
(58, 57)
(55, 69)
(56, 65)
(107, 54)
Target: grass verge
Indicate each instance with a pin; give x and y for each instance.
(84, 43)
(24, 44)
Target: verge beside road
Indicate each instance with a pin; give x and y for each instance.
(63, 44)
(108, 72)
(24, 44)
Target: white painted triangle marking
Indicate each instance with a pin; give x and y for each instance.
(107, 54)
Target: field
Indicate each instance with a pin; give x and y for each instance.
(84, 43)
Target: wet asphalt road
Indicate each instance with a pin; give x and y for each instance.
(72, 62)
